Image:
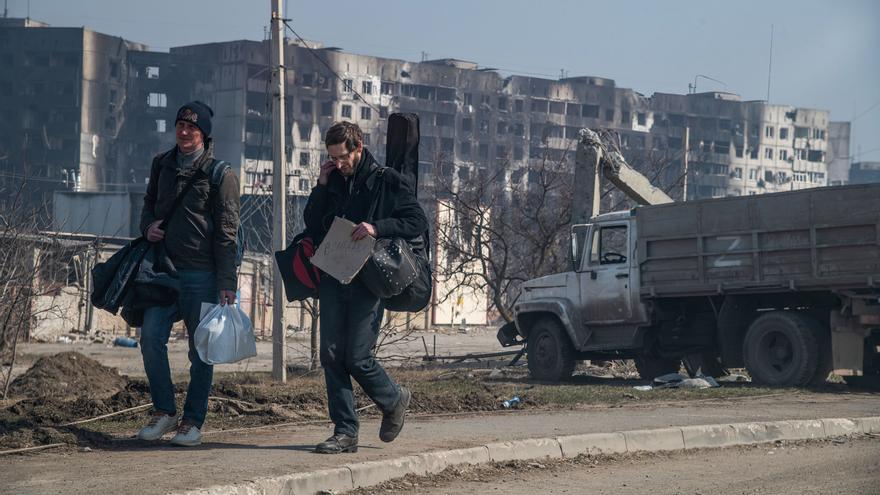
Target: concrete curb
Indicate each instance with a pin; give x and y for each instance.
(371, 473)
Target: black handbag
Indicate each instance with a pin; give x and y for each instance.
(396, 272)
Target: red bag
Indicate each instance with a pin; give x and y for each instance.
(301, 279)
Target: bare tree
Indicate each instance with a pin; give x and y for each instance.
(30, 266)
(504, 227)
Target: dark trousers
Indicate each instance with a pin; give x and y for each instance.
(350, 318)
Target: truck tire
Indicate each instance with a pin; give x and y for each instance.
(650, 367)
(871, 382)
(780, 349)
(549, 351)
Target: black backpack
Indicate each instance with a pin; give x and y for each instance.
(300, 277)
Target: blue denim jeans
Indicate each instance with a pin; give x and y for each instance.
(350, 317)
(196, 287)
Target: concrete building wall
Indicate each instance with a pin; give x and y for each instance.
(837, 154)
(104, 214)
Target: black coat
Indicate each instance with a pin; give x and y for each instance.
(397, 211)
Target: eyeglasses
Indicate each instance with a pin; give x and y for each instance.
(341, 157)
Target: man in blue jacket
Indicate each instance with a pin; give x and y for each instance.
(349, 187)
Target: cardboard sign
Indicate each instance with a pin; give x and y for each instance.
(338, 255)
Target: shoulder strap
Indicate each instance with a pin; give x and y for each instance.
(218, 170)
(179, 199)
(380, 172)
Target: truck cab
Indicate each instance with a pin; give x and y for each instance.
(591, 310)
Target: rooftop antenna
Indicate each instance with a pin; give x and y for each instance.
(770, 67)
(6, 9)
(424, 56)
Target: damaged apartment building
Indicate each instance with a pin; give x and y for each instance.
(89, 110)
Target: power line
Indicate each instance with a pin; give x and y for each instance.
(864, 112)
(313, 52)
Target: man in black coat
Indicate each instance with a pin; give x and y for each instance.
(349, 187)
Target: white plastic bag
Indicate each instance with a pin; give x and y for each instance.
(225, 335)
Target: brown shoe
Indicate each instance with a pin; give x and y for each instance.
(392, 422)
(338, 444)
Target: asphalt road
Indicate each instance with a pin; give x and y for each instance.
(826, 467)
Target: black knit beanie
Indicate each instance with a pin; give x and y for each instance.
(198, 114)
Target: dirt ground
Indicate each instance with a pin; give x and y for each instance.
(69, 387)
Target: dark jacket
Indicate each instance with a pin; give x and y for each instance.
(201, 233)
(112, 279)
(397, 214)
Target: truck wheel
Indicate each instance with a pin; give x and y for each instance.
(549, 351)
(650, 367)
(780, 349)
(871, 382)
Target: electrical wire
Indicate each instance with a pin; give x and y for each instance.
(313, 52)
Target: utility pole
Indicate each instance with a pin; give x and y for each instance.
(684, 159)
(279, 193)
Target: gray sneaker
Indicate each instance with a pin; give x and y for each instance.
(188, 435)
(392, 422)
(160, 424)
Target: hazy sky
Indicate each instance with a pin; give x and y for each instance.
(826, 55)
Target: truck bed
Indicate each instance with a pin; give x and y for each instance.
(812, 239)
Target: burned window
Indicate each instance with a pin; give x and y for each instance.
(307, 80)
(557, 107)
(625, 118)
(540, 106)
(464, 149)
(383, 112)
(484, 151)
(467, 124)
(305, 132)
(468, 99)
(326, 109)
(590, 111)
(501, 128)
(801, 132)
(722, 147)
(304, 158)
(519, 130)
(609, 115)
(152, 72)
(642, 118)
(783, 133)
(518, 106)
(816, 156)
(305, 106)
(386, 88)
(502, 103)
(447, 145)
(517, 153)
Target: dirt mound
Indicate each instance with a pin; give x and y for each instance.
(68, 376)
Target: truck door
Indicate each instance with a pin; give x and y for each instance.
(604, 275)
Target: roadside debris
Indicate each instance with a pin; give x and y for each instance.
(512, 402)
(125, 342)
(677, 380)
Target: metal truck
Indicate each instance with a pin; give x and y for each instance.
(786, 285)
